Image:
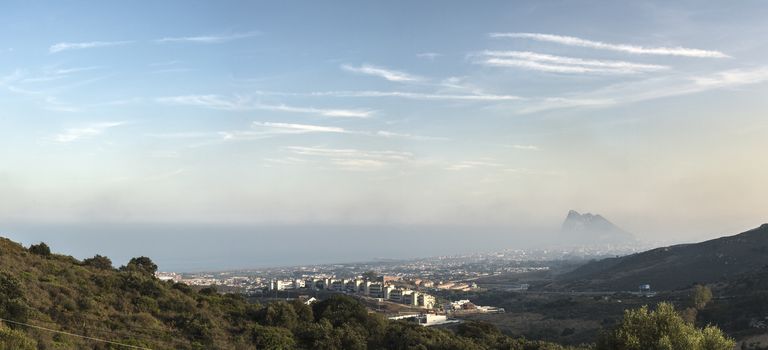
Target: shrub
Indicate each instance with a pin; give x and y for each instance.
(41, 249)
(662, 329)
(99, 262)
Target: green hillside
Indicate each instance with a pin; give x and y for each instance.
(130, 306)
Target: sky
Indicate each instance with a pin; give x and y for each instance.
(384, 114)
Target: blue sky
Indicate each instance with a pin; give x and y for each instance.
(388, 113)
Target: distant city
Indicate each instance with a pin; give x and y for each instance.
(440, 272)
(410, 283)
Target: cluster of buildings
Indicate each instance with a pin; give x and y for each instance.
(425, 319)
(380, 289)
(168, 276)
(459, 286)
(465, 306)
(242, 282)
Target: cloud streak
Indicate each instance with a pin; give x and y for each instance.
(562, 64)
(626, 48)
(388, 74)
(551, 68)
(299, 128)
(472, 164)
(428, 55)
(74, 134)
(354, 159)
(419, 96)
(208, 39)
(261, 130)
(654, 88)
(245, 104)
(525, 147)
(65, 46)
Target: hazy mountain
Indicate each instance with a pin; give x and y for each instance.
(591, 228)
(676, 266)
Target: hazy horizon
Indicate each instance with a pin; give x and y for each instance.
(432, 114)
(211, 247)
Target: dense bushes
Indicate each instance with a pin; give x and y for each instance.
(662, 329)
(99, 262)
(12, 303)
(41, 249)
(15, 340)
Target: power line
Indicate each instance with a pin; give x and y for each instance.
(75, 335)
(136, 329)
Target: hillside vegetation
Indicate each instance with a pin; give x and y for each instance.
(130, 306)
(50, 301)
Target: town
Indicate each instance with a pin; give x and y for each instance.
(425, 290)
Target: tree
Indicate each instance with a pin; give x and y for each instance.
(142, 264)
(12, 303)
(661, 329)
(41, 249)
(272, 338)
(99, 262)
(340, 309)
(303, 311)
(700, 296)
(279, 314)
(318, 335)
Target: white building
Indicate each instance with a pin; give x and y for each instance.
(425, 320)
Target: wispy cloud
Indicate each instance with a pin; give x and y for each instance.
(419, 96)
(525, 171)
(286, 160)
(12, 77)
(653, 88)
(165, 63)
(209, 39)
(471, 164)
(354, 159)
(172, 70)
(208, 101)
(731, 78)
(545, 67)
(627, 48)
(409, 136)
(562, 64)
(58, 74)
(65, 71)
(428, 55)
(289, 128)
(246, 104)
(74, 134)
(388, 74)
(326, 112)
(346, 152)
(524, 147)
(53, 104)
(299, 128)
(182, 135)
(64, 46)
(262, 130)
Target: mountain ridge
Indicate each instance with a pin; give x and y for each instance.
(676, 266)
